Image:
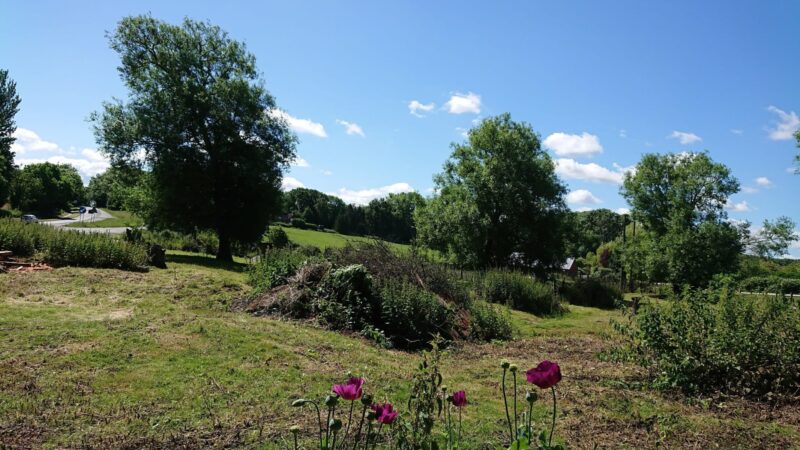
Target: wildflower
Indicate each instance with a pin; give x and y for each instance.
(546, 375)
(350, 390)
(459, 399)
(384, 413)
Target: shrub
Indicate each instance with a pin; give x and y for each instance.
(593, 293)
(519, 291)
(743, 345)
(71, 248)
(489, 322)
(410, 316)
(346, 299)
(299, 223)
(277, 237)
(772, 284)
(199, 242)
(274, 269)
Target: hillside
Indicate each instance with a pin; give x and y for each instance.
(157, 360)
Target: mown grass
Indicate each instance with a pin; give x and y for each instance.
(105, 358)
(326, 239)
(119, 219)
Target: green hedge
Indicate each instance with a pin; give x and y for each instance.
(592, 293)
(519, 291)
(770, 284)
(70, 248)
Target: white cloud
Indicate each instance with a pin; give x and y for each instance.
(789, 124)
(763, 182)
(327, 173)
(737, 131)
(417, 108)
(737, 207)
(573, 170)
(622, 210)
(289, 183)
(92, 163)
(573, 145)
(351, 128)
(792, 169)
(749, 190)
(300, 162)
(464, 103)
(28, 141)
(582, 197)
(303, 126)
(685, 138)
(623, 133)
(364, 196)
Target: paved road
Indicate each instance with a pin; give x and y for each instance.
(86, 218)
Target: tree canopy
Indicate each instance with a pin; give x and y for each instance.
(114, 187)
(205, 124)
(46, 188)
(774, 238)
(588, 230)
(9, 106)
(498, 197)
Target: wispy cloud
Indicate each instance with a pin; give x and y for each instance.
(573, 144)
(289, 183)
(573, 170)
(302, 126)
(582, 197)
(418, 108)
(351, 128)
(738, 207)
(685, 138)
(737, 131)
(30, 148)
(27, 141)
(464, 103)
(764, 182)
(300, 162)
(787, 126)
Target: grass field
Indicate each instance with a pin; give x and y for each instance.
(119, 219)
(96, 358)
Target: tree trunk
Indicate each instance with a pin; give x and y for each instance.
(224, 249)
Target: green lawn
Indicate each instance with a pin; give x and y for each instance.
(119, 219)
(105, 358)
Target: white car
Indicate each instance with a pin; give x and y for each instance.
(29, 218)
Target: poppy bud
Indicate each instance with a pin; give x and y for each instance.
(294, 429)
(366, 399)
(370, 415)
(512, 367)
(504, 364)
(531, 397)
(335, 424)
(331, 401)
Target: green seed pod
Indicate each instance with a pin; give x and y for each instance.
(331, 400)
(505, 364)
(531, 397)
(513, 367)
(335, 424)
(294, 429)
(366, 399)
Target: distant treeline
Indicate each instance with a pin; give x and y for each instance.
(390, 218)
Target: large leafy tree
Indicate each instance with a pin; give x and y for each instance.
(9, 106)
(774, 238)
(113, 188)
(590, 229)
(499, 199)
(199, 113)
(392, 217)
(46, 188)
(313, 206)
(680, 199)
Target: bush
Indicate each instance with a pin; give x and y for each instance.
(346, 299)
(592, 293)
(744, 345)
(71, 248)
(519, 291)
(299, 223)
(489, 322)
(277, 237)
(411, 317)
(199, 242)
(274, 269)
(772, 284)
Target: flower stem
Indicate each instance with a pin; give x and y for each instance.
(369, 434)
(530, 417)
(516, 426)
(319, 421)
(333, 446)
(360, 424)
(459, 428)
(349, 419)
(505, 402)
(553, 428)
(375, 444)
(295, 441)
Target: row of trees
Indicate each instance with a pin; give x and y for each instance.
(390, 218)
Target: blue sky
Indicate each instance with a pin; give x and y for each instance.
(602, 82)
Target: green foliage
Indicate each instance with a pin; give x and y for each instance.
(392, 217)
(70, 248)
(489, 322)
(519, 291)
(210, 132)
(588, 230)
(774, 238)
(198, 242)
(709, 342)
(498, 196)
(277, 237)
(299, 223)
(771, 284)
(274, 268)
(347, 300)
(114, 188)
(9, 107)
(412, 315)
(590, 292)
(46, 188)
(313, 206)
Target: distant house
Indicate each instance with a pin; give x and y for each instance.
(570, 267)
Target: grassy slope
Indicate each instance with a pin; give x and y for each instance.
(119, 219)
(107, 358)
(324, 239)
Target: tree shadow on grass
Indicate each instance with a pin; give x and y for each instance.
(206, 261)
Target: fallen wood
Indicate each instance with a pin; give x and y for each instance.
(5, 254)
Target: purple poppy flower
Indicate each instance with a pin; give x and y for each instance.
(459, 399)
(546, 375)
(384, 413)
(350, 390)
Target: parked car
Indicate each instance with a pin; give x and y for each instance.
(29, 218)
